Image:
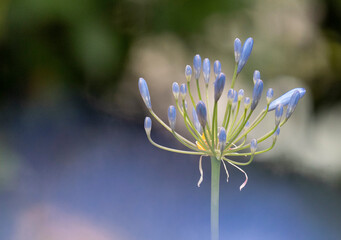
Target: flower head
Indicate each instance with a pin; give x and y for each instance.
(226, 137)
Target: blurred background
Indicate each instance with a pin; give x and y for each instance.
(74, 159)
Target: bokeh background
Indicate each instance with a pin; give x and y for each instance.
(74, 159)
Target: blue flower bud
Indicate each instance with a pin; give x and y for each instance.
(217, 68)
(206, 70)
(230, 96)
(253, 146)
(257, 93)
(269, 95)
(237, 49)
(219, 86)
(278, 114)
(245, 54)
(240, 94)
(256, 76)
(172, 116)
(247, 125)
(285, 98)
(222, 138)
(175, 89)
(292, 103)
(276, 133)
(143, 87)
(201, 113)
(188, 73)
(235, 99)
(183, 90)
(247, 102)
(197, 66)
(147, 125)
(196, 122)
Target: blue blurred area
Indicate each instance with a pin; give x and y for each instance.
(103, 169)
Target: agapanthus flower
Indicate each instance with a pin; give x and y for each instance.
(225, 137)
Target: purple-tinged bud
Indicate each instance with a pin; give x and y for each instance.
(245, 54)
(183, 90)
(237, 49)
(230, 96)
(217, 68)
(147, 125)
(292, 103)
(257, 93)
(278, 114)
(269, 95)
(222, 138)
(235, 99)
(172, 116)
(143, 87)
(188, 73)
(175, 90)
(219, 86)
(201, 113)
(256, 76)
(253, 146)
(247, 102)
(276, 133)
(197, 66)
(285, 98)
(196, 122)
(206, 70)
(240, 94)
(247, 125)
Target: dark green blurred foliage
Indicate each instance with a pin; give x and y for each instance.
(83, 44)
(328, 93)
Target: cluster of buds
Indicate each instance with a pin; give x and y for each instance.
(228, 136)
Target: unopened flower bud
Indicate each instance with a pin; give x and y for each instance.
(197, 66)
(183, 90)
(253, 146)
(245, 54)
(188, 73)
(206, 70)
(147, 125)
(257, 93)
(201, 113)
(219, 86)
(175, 90)
(143, 87)
(217, 68)
(172, 116)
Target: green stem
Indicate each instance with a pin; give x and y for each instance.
(234, 75)
(215, 178)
